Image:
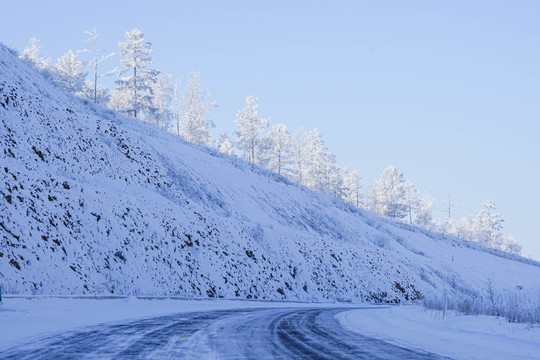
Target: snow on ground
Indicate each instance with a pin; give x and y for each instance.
(34, 317)
(456, 336)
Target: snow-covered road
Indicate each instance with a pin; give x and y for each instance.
(260, 333)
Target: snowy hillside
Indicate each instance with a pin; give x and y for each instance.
(93, 202)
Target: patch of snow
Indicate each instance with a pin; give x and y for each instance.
(456, 336)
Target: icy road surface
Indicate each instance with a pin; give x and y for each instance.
(278, 333)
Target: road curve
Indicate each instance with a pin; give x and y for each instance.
(266, 333)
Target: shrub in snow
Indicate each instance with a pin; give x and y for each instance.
(518, 305)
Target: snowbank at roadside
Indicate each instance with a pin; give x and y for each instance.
(456, 336)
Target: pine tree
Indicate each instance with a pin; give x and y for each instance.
(69, 72)
(136, 56)
(94, 63)
(249, 136)
(280, 149)
(194, 124)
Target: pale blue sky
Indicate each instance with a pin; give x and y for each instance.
(448, 91)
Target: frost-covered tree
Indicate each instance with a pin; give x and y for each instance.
(412, 199)
(162, 95)
(318, 159)
(280, 149)
(424, 212)
(120, 99)
(322, 173)
(463, 228)
(136, 76)
(31, 53)
(176, 115)
(69, 72)
(194, 123)
(249, 136)
(97, 59)
(225, 145)
(449, 206)
(370, 197)
(351, 188)
(488, 224)
(509, 244)
(486, 228)
(299, 147)
(390, 194)
(335, 176)
(100, 95)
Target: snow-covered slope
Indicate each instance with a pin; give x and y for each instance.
(93, 202)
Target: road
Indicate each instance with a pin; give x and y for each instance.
(266, 333)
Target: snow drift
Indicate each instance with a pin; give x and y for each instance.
(92, 202)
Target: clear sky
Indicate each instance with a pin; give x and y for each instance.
(448, 91)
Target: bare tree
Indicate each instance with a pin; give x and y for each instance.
(97, 59)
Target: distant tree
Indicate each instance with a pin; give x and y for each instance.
(97, 59)
(225, 145)
(488, 224)
(120, 99)
(176, 120)
(463, 228)
(249, 136)
(412, 199)
(88, 92)
(335, 177)
(318, 159)
(390, 194)
(162, 91)
(486, 228)
(31, 53)
(370, 198)
(194, 124)
(448, 225)
(299, 145)
(139, 78)
(69, 72)
(351, 187)
(449, 206)
(322, 172)
(424, 212)
(280, 149)
(509, 244)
